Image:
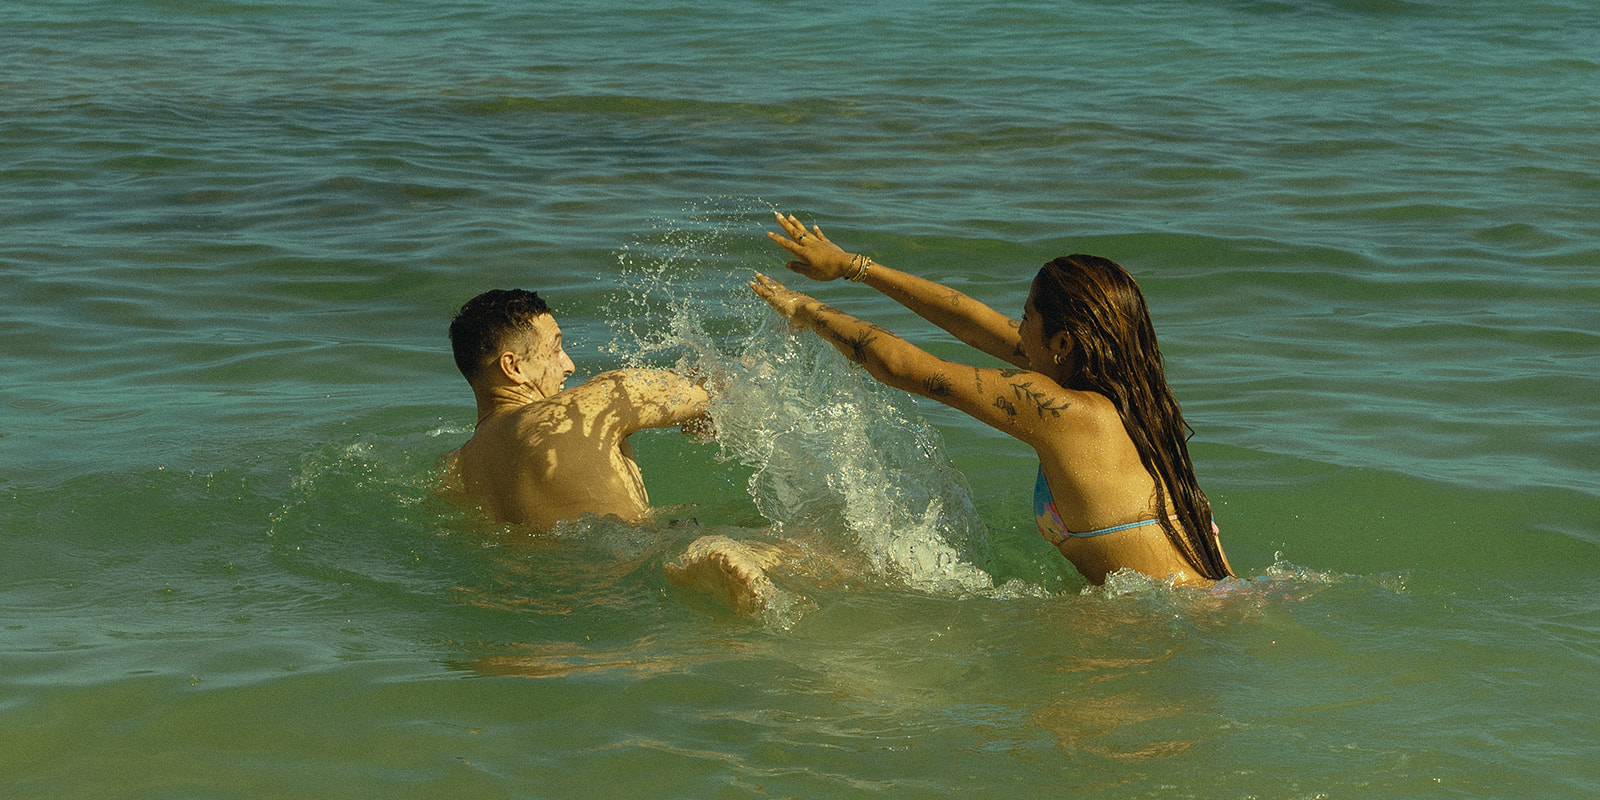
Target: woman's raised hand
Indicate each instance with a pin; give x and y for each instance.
(786, 301)
(816, 257)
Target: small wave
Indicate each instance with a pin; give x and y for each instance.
(1228, 601)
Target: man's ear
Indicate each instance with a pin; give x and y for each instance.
(510, 367)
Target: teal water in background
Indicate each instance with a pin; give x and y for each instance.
(231, 236)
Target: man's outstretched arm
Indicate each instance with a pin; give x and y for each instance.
(635, 399)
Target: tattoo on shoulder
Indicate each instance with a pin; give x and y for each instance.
(1011, 373)
(1041, 402)
(936, 385)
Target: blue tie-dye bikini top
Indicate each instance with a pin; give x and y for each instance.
(1055, 531)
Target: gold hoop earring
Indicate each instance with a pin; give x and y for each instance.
(1057, 358)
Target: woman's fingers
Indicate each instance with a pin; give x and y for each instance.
(790, 225)
(780, 297)
(781, 241)
(796, 233)
(767, 287)
(762, 286)
(816, 257)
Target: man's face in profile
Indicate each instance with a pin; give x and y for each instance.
(546, 364)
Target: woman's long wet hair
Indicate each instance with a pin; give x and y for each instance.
(1100, 307)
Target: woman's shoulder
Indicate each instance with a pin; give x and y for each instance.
(1033, 407)
(1082, 407)
(1087, 421)
(1096, 407)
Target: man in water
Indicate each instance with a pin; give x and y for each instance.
(542, 452)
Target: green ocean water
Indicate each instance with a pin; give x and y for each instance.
(231, 236)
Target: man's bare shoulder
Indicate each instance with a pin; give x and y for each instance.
(601, 412)
(633, 379)
(649, 397)
(604, 387)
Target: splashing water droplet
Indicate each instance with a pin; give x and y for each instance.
(829, 447)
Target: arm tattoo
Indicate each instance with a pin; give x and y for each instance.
(858, 345)
(936, 385)
(1005, 405)
(954, 299)
(1041, 401)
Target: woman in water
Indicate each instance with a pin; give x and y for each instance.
(1115, 488)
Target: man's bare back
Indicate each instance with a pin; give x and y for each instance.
(542, 453)
(567, 455)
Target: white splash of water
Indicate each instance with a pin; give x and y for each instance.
(829, 447)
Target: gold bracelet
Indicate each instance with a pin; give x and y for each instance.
(862, 264)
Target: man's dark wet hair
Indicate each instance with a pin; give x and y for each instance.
(481, 330)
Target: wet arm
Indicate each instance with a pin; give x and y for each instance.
(969, 320)
(1018, 402)
(648, 398)
(972, 322)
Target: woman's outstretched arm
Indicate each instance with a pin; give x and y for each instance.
(1022, 403)
(969, 320)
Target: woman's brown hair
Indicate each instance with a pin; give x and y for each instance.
(1100, 307)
